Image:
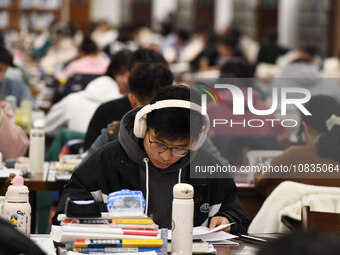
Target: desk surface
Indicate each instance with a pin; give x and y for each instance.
(38, 182)
(242, 249)
(250, 199)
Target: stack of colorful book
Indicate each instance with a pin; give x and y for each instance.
(108, 235)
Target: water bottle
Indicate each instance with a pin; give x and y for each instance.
(16, 207)
(37, 150)
(182, 219)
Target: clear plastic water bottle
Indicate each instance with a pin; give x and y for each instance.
(182, 219)
(16, 207)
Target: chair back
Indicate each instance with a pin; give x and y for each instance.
(75, 83)
(320, 220)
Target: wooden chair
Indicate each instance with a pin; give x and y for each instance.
(319, 220)
(4, 183)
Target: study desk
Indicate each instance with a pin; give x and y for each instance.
(38, 182)
(250, 198)
(242, 249)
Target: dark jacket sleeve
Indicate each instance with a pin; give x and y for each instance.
(231, 207)
(222, 191)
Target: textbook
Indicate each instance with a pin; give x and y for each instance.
(115, 250)
(124, 243)
(110, 225)
(105, 253)
(108, 216)
(108, 230)
(58, 235)
(114, 221)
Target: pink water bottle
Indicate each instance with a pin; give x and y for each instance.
(16, 208)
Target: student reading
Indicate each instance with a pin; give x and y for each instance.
(157, 161)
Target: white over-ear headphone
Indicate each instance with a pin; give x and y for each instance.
(139, 127)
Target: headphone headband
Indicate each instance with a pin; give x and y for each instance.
(140, 127)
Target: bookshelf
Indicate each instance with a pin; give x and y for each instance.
(254, 17)
(314, 24)
(34, 15)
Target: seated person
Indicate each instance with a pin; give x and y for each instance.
(144, 83)
(233, 139)
(153, 156)
(114, 110)
(12, 87)
(13, 140)
(76, 109)
(321, 132)
(90, 61)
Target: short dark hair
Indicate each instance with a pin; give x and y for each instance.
(145, 80)
(183, 34)
(5, 56)
(88, 46)
(146, 56)
(175, 123)
(120, 62)
(230, 41)
(236, 68)
(322, 107)
(272, 35)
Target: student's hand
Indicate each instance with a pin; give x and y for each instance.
(217, 221)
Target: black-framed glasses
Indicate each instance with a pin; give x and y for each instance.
(159, 147)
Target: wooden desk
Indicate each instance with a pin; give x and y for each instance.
(242, 249)
(38, 182)
(246, 248)
(250, 199)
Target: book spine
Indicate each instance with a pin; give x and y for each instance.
(106, 221)
(114, 250)
(85, 221)
(144, 232)
(88, 243)
(124, 243)
(114, 231)
(132, 221)
(133, 243)
(112, 225)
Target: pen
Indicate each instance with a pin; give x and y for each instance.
(252, 239)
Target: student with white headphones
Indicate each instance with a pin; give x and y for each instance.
(155, 147)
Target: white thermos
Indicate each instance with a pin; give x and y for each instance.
(182, 219)
(16, 207)
(37, 150)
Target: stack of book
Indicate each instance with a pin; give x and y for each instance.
(108, 235)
